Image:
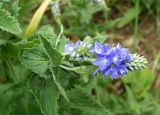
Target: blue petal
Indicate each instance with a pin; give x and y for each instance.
(115, 73)
(102, 50)
(69, 48)
(78, 43)
(123, 69)
(102, 62)
(106, 49)
(107, 72)
(97, 48)
(116, 59)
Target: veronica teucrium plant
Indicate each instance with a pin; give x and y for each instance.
(63, 72)
(47, 74)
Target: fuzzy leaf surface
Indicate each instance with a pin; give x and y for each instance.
(45, 93)
(8, 22)
(54, 56)
(35, 59)
(82, 100)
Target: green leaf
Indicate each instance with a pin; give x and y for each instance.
(60, 88)
(82, 100)
(16, 72)
(63, 78)
(45, 93)
(48, 38)
(5, 100)
(10, 94)
(9, 23)
(47, 32)
(11, 49)
(54, 56)
(62, 43)
(129, 16)
(140, 81)
(108, 25)
(15, 8)
(35, 59)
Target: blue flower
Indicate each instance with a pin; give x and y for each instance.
(111, 60)
(71, 48)
(79, 49)
(100, 49)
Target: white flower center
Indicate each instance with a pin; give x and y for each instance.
(104, 61)
(71, 49)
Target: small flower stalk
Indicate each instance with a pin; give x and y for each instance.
(114, 61)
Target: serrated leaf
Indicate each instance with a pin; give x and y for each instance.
(35, 59)
(9, 23)
(15, 8)
(45, 93)
(47, 32)
(82, 100)
(54, 56)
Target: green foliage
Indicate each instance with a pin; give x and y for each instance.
(13, 96)
(85, 102)
(141, 82)
(79, 22)
(35, 59)
(47, 57)
(47, 32)
(5, 100)
(45, 93)
(129, 16)
(8, 22)
(54, 56)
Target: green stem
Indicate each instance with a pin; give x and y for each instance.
(62, 91)
(59, 36)
(11, 70)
